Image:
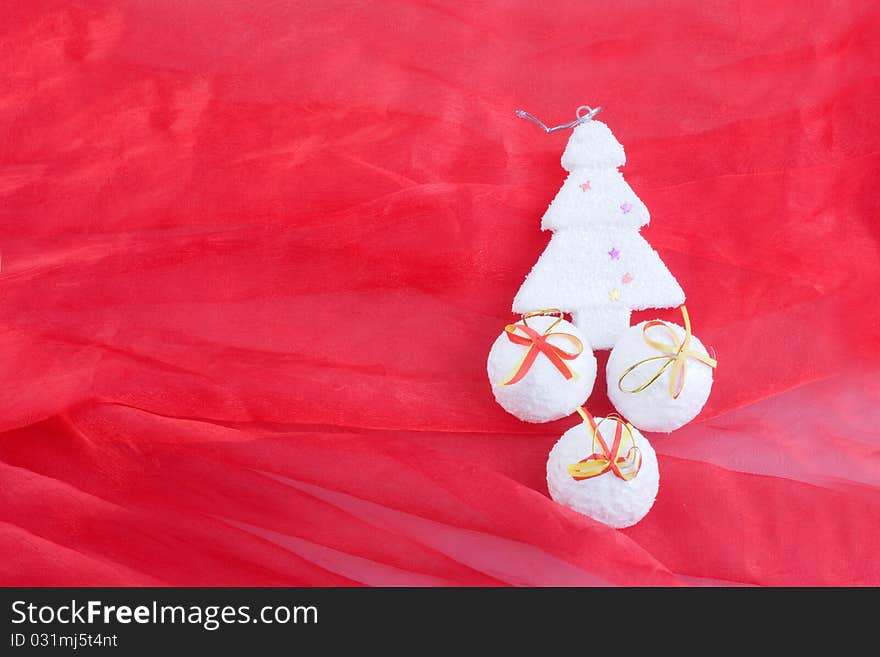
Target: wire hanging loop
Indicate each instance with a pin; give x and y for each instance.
(584, 113)
(551, 312)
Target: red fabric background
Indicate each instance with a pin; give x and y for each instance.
(254, 255)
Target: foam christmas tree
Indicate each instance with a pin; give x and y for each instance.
(597, 266)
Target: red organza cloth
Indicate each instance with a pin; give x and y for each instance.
(254, 255)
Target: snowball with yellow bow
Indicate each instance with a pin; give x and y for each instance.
(659, 375)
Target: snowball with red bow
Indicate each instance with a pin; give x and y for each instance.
(541, 368)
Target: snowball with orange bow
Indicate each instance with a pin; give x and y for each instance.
(541, 368)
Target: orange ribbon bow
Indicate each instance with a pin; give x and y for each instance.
(538, 343)
(624, 459)
(675, 355)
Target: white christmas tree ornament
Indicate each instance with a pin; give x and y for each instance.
(597, 265)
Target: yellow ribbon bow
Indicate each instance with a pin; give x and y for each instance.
(623, 459)
(675, 355)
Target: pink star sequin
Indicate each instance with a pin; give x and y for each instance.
(625, 208)
(614, 253)
(626, 279)
(585, 185)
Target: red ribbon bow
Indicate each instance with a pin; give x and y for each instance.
(538, 343)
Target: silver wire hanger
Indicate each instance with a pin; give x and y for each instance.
(588, 114)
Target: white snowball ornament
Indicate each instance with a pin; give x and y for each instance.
(659, 375)
(604, 469)
(541, 368)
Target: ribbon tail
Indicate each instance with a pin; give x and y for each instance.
(704, 358)
(521, 369)
(560, 365)
(585, 415)
(676, 378)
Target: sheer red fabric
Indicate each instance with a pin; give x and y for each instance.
(254, 255)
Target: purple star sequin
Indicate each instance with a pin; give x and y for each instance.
(625, 208)
(614, 253)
